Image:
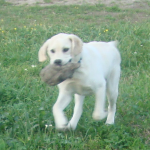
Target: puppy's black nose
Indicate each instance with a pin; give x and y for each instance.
(57, 62)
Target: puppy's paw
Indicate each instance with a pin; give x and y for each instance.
(62, 128)
(65, 129)
(99, 116)
(71, 127)
(109, 122)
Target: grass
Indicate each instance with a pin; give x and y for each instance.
(47, 1)
(26, 103)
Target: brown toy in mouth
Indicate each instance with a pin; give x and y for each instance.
(54, 74)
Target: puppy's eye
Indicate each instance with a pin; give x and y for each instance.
(52, 51)
(65, 49)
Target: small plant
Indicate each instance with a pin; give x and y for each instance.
(113, 9)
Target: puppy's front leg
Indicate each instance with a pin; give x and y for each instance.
(77, 112)
(63, 100)
(99, 112)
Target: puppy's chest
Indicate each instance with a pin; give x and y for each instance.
(82, 83)
(77, 87)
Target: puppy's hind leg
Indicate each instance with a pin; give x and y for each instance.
(112, 94)
(77, 112)
(99, 110)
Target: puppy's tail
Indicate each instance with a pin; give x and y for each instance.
(114, 43)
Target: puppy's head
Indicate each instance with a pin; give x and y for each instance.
(61, 48)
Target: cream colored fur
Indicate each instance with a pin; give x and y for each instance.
(99, 74)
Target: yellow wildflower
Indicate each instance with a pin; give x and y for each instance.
(15, 28)
(106, 30)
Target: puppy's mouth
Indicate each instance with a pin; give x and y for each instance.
(71, 61)
(67, 62)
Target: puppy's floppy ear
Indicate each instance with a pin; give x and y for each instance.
(42, 52)
(76, 44)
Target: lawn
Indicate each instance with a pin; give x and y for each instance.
(26, 102)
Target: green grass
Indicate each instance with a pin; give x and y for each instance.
(47, 1)
(26, 103)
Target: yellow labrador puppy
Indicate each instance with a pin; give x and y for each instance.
(98, 74)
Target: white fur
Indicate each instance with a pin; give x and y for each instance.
(99, 74)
